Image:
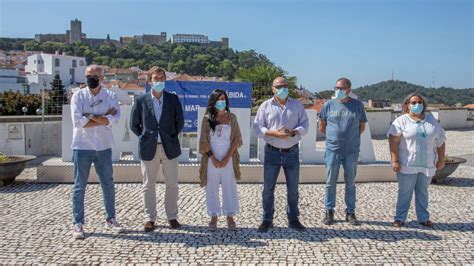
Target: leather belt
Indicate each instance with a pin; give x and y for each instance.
(281, 149)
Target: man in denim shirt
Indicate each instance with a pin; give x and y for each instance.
(281, 121)
(342, 120)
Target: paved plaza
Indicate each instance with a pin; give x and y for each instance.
(35, 224)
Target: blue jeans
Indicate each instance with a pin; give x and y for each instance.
(407, 183)
(290, 162)
(83, 160)
(333, 163)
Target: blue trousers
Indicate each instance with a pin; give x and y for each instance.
(83, 160)
(407, 184)
(274, 160)
(333, 163)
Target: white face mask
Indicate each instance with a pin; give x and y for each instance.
(340, 94)
(158, 86)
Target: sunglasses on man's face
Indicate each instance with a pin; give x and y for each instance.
(416, 102)
(280, 86)
(339, 88)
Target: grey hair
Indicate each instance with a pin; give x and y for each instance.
(346, 81)
(94, 67)
(406, 102)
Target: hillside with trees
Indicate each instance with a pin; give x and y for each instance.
(396, 91)
(182, 58)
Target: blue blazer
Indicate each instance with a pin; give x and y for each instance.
(143, 124)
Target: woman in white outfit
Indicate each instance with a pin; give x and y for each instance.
(219, 141)
(417, 150)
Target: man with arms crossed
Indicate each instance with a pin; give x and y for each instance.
(93, 111)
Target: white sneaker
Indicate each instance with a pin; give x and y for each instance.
(114, 225)
(78, 231)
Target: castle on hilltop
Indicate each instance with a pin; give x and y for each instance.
(75, 34)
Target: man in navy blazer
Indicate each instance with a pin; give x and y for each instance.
(157, 119)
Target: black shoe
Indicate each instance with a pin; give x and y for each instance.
(329, 217)
(296, 225)
(263, 228)
(428, 224)
(174, 224)
(351, 218)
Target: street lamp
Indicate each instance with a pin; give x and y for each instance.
(24, 110)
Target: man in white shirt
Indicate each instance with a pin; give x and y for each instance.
(93, 112)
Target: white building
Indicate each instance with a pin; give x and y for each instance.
(10, 80)
(190, 38)
(43, 67)
(39, 81)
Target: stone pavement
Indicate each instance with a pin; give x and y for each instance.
(35, 226)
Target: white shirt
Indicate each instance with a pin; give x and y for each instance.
(96, 138)
(272, 116)
(417, 150)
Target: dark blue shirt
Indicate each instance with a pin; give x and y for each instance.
(342, 125)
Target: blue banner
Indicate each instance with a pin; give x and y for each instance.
(195, 94)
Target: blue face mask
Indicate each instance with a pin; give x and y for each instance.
(158, 86)
(340, 94)
(220, 105)
(416, 108)
(282, 93)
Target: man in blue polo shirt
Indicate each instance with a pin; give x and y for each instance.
(342, 120)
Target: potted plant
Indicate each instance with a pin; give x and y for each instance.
(11, 166)
(451, 164)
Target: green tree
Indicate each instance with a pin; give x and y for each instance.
(13, 102)
(32, 46)
(262, 77)
(179, 53)
(56, 97)
(52, 47)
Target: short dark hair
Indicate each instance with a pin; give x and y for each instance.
(406, 102)
(346, 81)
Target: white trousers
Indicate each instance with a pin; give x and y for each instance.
(217, 177)
(150, 171)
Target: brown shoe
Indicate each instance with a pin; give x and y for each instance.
(174, 224)
(398, 223)
(428, 224)
(149, 226)
(231, 223)
(213, 224)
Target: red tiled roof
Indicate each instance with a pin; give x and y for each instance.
(186, 77)
(115, 71)
(130, 85)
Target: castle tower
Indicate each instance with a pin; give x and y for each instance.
(75, 33)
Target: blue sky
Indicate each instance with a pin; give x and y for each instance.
(316, 41)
